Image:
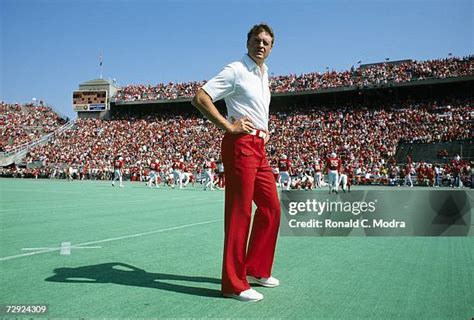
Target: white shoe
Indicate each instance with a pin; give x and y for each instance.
(266, 282)
(249, 295)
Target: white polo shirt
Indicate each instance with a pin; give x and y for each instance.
(245, 90)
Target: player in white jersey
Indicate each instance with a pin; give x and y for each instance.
(209, 167)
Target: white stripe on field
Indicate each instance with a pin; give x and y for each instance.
(58, 248)
(111, 239)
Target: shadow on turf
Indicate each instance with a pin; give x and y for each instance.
(128, 275)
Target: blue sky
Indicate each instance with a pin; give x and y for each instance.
(49, 47)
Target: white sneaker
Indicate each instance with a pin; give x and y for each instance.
(249, 295)
(266, 282)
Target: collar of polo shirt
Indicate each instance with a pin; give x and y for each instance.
(251, 65)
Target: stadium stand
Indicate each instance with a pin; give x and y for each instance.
(364, 128)
(21, 124)
(376, 74)
(366, 137)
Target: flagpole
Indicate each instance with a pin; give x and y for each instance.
(100, 64)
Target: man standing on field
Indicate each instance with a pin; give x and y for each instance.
(249, 178)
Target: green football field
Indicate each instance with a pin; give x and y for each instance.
(146, 253)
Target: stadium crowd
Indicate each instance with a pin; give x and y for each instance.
(20, 124)
(169, 91)
(365, 137)
(377, 74)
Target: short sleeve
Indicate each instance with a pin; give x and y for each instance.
(221, 85)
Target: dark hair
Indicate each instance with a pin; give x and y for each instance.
(256, 29)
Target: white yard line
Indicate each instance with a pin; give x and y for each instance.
(46, 250)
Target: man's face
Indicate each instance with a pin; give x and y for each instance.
(259, 47)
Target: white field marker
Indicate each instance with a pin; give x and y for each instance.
(64, 249)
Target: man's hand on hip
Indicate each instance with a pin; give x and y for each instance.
(242, 125)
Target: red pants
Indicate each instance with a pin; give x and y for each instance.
(221, 180)
(248, 178)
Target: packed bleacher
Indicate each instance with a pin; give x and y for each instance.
(368, 134)
(94, 143)
(169, 91)
(23, 123)
(366, 138)
(377, 74)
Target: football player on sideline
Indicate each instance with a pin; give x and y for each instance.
(333, 166)
(118, 167)
(154, 174)
(284, 167)
(209, 168)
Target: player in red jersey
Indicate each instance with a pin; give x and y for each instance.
(420, 173)
(193, 173)
(154, 174)
(345, 178)
(276, 173)
(118, 168)
(409, 170)
(456, 167)
(220, 175)
(284, 168)
(307, 179)
(430, 175)
(178, 166)
(318, 175)
(186, 175)
(333, 166)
